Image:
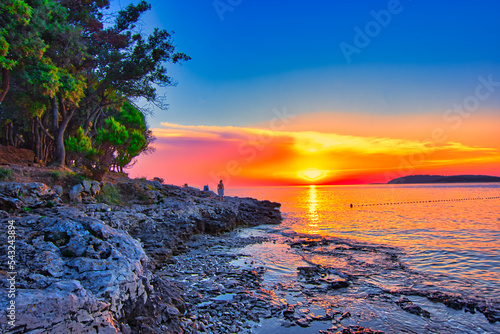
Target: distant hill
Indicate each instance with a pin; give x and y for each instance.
(410, 179)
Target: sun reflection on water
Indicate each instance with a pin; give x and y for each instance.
(313, 209)
(458, 239)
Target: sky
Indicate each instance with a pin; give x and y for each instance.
(326, 92)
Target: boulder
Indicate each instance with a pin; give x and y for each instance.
(77, 274)
(75, 194)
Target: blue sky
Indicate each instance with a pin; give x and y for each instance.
(253, 56)
(351, 72)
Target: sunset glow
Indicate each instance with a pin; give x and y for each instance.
(285, 103)
(312, 174)
(247, 156)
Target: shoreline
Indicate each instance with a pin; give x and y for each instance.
(187, 264)
(314, 297)
(90, 266)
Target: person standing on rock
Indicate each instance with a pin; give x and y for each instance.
(220, 191)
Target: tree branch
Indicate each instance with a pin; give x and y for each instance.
(5, 84)
(43, 129)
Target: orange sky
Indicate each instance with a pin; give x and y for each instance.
(324, 148)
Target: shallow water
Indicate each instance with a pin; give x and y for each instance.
(460, 239)
(449, 245)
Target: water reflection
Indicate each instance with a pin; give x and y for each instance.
(458, 239)
(313, 209)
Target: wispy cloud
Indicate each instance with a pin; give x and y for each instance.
(250, 155)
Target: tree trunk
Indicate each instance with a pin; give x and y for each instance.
(11, 134)
(37, 143)
(60, 154)
(5, 84)
(55, 114)
(6, 134)
(60, 151)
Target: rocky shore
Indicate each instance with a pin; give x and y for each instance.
(80, 266)
(175, 260)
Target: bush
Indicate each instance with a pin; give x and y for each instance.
(5, 174)
(159, 179)
(56, 175)
(110, 195)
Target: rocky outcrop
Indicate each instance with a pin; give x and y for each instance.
(17, 196)
(180, 213)
(90, 268)
(77, 274)
(85, 192)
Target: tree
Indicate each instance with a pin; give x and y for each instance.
(125, 65)
(17, 40)
(118, 140)
(71, 77)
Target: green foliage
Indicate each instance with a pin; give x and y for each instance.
(114, 134)
(110, 195)
(75, 67)
(14, 15)
(130, 116)
(5, 174)
(55, 174)
(80, 144)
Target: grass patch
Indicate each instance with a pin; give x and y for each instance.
(110, 195)
(55, 174)
(72, 178)
(5, 174)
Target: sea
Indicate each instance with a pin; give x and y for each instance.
(444, 237)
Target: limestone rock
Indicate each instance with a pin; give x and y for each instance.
(77, 274)
(15, 196)
(75, 194)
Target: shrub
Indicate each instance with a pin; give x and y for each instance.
(56, 175)
(109, 195)
(5, 174)
(159, 179)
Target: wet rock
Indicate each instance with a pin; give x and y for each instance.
(409, 307)
(492, 314)
(338, 284)
(455, 304)
(310, 271)
(345, 315)
(359, 330)
(289, 312)
(303, 322)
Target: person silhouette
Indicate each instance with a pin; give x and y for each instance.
(220, 191)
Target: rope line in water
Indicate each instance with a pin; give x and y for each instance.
(431, 201)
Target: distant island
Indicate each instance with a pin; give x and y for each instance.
(411, 179)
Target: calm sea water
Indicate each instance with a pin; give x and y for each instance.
(452, 243)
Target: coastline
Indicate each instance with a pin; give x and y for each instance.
(362, 288)
(87, 266)
(176, 260)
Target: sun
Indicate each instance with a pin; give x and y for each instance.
(313, 174)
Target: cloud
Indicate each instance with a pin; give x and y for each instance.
(203, 154)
